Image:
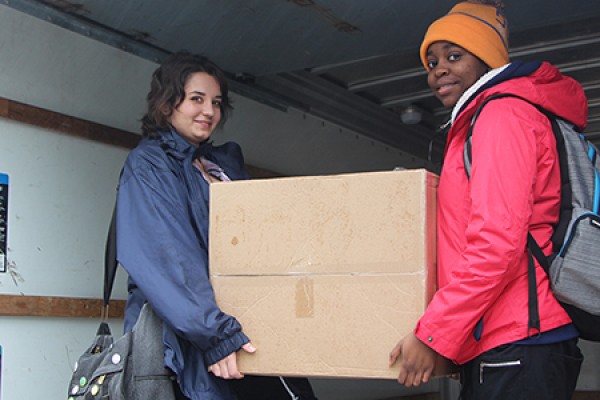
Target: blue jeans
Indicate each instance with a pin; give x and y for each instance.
(523, 372)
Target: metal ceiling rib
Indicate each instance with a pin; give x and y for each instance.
(87, 27)
(351, 62)
(372, 81)
(332, 102)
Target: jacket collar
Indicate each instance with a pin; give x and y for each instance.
(175, 145)
(513, 70)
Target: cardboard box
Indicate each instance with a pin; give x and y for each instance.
(324, 273)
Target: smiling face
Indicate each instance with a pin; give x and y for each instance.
(452, 70)
(199, 113)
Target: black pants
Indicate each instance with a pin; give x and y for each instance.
(523, 372)
(272, 388)
(265, 388)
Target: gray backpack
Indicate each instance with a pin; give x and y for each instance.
(574, 266)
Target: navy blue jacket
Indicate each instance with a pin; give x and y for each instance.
(162, 242)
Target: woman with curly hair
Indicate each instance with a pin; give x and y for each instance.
(162, 234)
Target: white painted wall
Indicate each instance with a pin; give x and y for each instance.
(61, 194)
(62, 190)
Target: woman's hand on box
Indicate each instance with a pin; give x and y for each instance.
(227, 368)
(417, 361)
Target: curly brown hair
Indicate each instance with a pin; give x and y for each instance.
(167, 89)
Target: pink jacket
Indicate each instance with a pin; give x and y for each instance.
(483, 221)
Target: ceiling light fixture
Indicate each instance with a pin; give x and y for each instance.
(411, 115)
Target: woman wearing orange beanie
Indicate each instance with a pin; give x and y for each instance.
(479, 318)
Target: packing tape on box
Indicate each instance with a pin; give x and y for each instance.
(305, 299)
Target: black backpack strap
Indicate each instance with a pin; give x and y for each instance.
(532, 303)
(467, 153)
(533, 247)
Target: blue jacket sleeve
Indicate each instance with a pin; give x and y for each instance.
(164, 255)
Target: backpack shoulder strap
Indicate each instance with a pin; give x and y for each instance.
(534, 248)
(467, 153)
(566, 191)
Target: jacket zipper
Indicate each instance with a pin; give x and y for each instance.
(504, 364)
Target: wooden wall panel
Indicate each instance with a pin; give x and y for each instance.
(67, 307)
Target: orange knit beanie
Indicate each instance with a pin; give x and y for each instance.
(478, 28)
